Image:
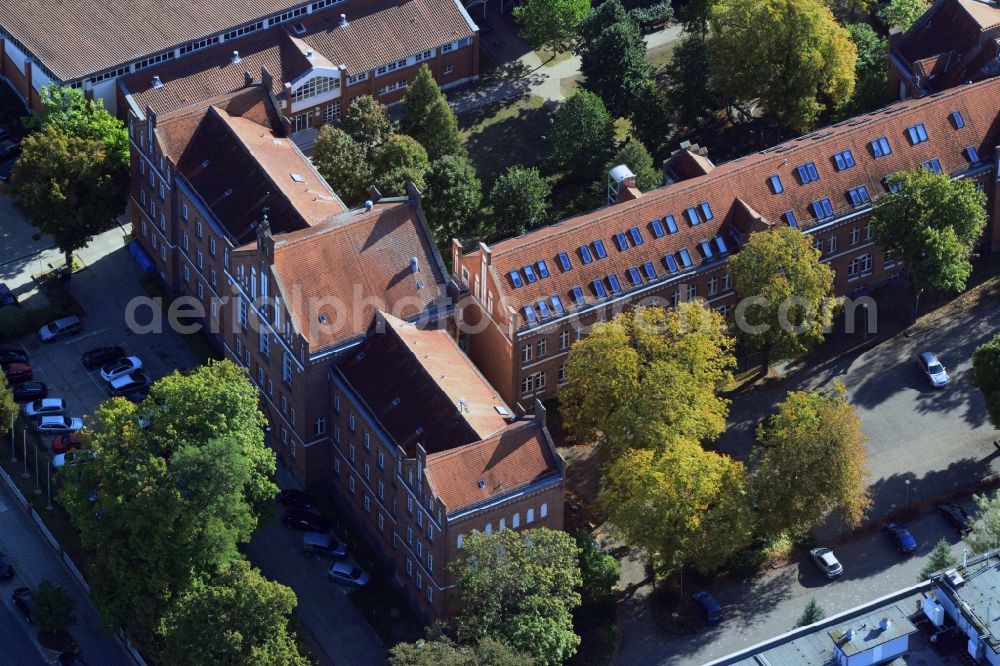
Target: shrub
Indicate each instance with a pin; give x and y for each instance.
(14, 322)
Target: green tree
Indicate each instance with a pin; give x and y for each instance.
(399, 161)
(649, 115)
(598, 570)
(786, 293)
(694, 17)
(550, 23)
(812, 614)
(53, 608)
(368, 124)
(901, 14)
(439, 650)
(939, 559)
(688, 90)
(649, 377)
(850, 9)
(452, 196)
(67, 109)
(635, 156)
(582, 133)
(342, 162)
(985, 532)
(519, 587)
(519, 199)
(68, 187)
(236, 617)
(685, 505)
(427, 117)
(8, 408)
(810, 459)
(176, 483)
(790, 54)
(985, 376)
(613, 57)
(932, 223)
(870, 72)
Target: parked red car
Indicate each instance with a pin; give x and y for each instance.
(67, 442)
(17, 373)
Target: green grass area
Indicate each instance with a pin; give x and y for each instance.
(552, 58)
(504, 134)
(660, 56)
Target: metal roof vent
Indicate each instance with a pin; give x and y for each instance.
(461, 405)
(228, 192)
(236, 57)
(884, 624)
(482, 483)
(849, 634)
(157, 82)
(309, 53)
(369, 205)
(322, 319)
(343, 20)
(414, 265)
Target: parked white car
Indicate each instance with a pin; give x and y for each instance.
(44, 407)
(75, 457)
(120, 368)
(57, 425)
(349, 574)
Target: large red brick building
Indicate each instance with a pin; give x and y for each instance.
(530, 297)
(954, 42)
(317, 52)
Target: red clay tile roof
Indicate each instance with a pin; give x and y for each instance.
(75, 38)
(238, 166)
(430, 376)
(949, 43)
(509, 461)
(378, 32)
(349, 266)
(745, 182)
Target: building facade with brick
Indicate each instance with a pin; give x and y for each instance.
(425, 452)
(954, 42)
(526, 299)
(283, 275)
(316, 51)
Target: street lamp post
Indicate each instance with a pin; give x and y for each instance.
(907, 482)
(38, 488)
(48, 482)
(25, 452)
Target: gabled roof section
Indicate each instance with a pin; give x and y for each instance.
(436, 397)
(378, 32)
(238, 166)
(698, 208)
(509, 461)
(74, 38)
(335, 275)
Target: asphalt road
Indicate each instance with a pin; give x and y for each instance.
(14, 633)
(939, 440)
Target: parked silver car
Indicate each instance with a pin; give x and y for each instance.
(44, 407)
(827, 562)
(349, 574)
(57, 425)
(60, 328)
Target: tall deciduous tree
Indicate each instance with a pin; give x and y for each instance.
(520, 587)
(635, 156)
(176, 483)
(398, 161)
(69, 187)
(439, 650)
(985, 532)
(8, 408)
(694, 16)
(689, 91)
(67, 109)
(649, 115)
(685, 505)
(810, 459)
(932, 224)
(236, 617)
(367, 123)
(427, 117)
(901, 14)
(341, 161)
(613, 57)
(786, 293)
(582, 134)
(53, 608)
(648, 378)
(452, 195)
(870, 72)
(985, 372)
(598, 570)
(520, 201)
(550, 23)
(790, 54)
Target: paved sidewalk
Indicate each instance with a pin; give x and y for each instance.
(35, 561)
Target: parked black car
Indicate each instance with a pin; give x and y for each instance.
(6, 169)
(6, 570)
(957, 516)
(304, 520)
(295, 499)
(7, 297)
(70, 658)
(99, 356)
(21, 598)
(12, 356)
(29, 391)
